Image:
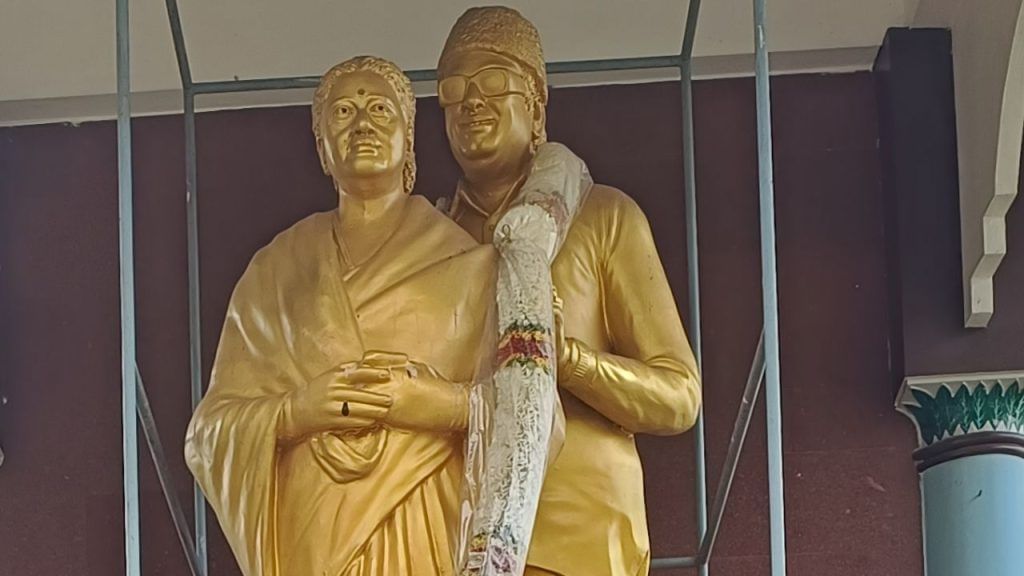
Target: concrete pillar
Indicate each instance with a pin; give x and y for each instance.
(971, 461)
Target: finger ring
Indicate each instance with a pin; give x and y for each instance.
(344, 409)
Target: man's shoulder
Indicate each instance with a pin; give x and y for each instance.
(609, 208)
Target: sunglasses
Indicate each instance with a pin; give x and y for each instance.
(490, 82)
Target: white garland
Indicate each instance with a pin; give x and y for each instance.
(507, 453)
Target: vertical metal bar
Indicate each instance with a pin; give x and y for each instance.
(769, 287)
(163, 473)
(693, 262)
(129, 429)
(693, 270)
(191, 208)
(194, 326)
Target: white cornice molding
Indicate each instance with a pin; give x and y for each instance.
(988, 71)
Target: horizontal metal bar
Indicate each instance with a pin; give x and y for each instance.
(612, 64)
(569, 67)
(163, 473)
(670, 563)
(732, 457)
(257, 85)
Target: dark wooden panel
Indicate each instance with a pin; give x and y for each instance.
(917, 128)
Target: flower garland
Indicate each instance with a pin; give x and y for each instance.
(507, 455)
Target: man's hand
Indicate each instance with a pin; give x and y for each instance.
(335, 401)
(562, 361)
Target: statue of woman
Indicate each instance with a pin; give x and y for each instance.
(320, 454)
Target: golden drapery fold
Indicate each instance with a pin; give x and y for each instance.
(331, 504)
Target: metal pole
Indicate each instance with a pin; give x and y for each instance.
(693, 263)
(736, 443)
(671, 563)
(732, 456)
(574, 66)
(178, 36)
(192, 217)
(194, 314)
(129, 430)
(769, 287)
(163, 473)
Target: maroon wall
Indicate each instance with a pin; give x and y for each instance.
(852, 499)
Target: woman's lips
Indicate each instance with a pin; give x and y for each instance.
(365, 147)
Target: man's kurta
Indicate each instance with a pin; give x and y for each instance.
(635, 373)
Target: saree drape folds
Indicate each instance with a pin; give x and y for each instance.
(333, 504)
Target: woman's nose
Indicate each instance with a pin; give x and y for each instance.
(362, 123)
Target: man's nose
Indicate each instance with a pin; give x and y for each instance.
(474, 99)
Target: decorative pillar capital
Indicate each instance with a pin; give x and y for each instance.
(959, 415)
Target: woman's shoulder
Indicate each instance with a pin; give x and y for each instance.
(295, 247)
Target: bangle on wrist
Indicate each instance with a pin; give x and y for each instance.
(579, 363)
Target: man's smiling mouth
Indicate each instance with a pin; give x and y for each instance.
(479, 123)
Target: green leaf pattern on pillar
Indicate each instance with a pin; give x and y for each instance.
(974, 406)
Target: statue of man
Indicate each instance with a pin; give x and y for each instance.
(625, 365)
(319, 454)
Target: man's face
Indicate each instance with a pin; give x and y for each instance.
(488, 122)
(363, 130)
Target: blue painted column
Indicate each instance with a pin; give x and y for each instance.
(971, 460)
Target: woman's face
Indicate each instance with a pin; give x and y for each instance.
(363, 132)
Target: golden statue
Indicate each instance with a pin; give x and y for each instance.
(625, 365)
(319, 453)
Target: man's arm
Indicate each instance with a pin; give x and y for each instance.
(650, 384)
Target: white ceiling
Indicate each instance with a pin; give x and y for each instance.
(58, 55)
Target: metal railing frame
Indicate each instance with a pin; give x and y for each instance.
(765, 366)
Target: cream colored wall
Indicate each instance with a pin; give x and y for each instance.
(57, 56)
